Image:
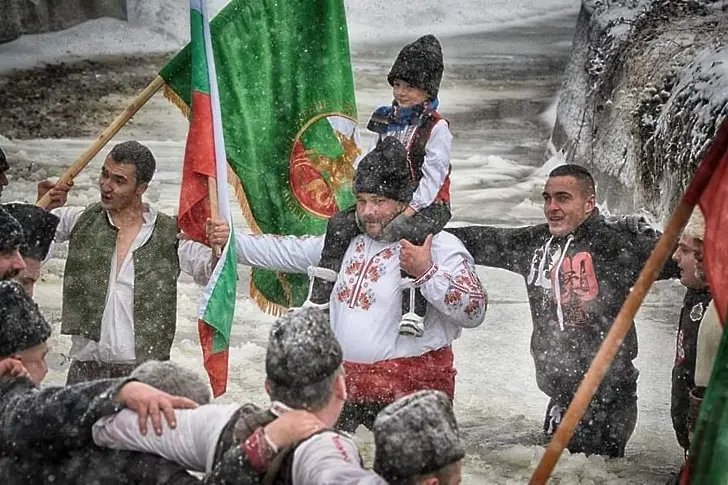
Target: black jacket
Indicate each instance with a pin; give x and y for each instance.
(45, 437)
(600, 264)
(683, 372)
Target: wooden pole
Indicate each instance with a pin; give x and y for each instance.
(214, 212)
(106, 136)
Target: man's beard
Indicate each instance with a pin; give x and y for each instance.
(363, 228)
(9, 274)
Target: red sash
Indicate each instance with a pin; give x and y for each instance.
(384, 382)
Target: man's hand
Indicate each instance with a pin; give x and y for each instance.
(12, 368)
(292, 427)
(217, 232)
(415, 260)
(150, 402)
(409, 211)
(57, 192)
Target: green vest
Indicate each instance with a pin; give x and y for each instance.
(86, 282)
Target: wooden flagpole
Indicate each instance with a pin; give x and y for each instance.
(106, 135)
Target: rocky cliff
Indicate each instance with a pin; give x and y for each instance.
(646, 87)
(18, 17)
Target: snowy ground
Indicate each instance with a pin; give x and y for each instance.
(497, 91)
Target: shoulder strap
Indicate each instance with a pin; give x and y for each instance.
(280, 470)
(416, 151)
(241, 425)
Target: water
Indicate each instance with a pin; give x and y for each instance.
(497, 87)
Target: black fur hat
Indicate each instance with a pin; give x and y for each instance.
(385, 171)
(420, 64)
(11, 233)
(22, 326)
(3, 162)
(39, 229)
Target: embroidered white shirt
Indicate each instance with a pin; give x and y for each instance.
(366, 301)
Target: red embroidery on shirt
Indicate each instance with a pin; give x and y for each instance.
(466, 283)
(355, 290)
(340, 447)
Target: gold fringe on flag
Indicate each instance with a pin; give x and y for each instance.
(264, 304)
(176, 100)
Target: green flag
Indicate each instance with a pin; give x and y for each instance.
(709, 444)
(289, 119)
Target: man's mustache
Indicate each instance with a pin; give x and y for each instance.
(9, 275)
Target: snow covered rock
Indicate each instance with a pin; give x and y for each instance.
(646, 88)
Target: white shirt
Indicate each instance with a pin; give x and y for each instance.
(191, 444)
(116, 342)
(710, 332)
(365, 305)
(331, 459)
(436, 166)
(327, 458)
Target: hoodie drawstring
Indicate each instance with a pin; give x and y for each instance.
(557, 286)
(542, 264)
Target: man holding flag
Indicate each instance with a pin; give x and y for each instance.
(120, 280)
(138, 321)
(380, 364)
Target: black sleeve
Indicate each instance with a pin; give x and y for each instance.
(341, 228)
(643, 245)
(54, 419)
(507, 248)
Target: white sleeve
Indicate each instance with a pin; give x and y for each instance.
(68, 218)
(191, 444)
(435, 168)
(290, 254)
(195, 259)
(709, 335)
(331, 459)
(451, 284)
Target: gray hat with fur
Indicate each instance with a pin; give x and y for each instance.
(173, 379)
(22, 326)
(416, 435)
(302, 349)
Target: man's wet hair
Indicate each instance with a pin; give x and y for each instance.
(581, 174)
(135, 153)
(312, 397)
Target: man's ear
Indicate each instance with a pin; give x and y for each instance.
(591, 202)
(341, 387)
(141, 188)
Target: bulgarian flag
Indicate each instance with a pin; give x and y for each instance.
(204, 160)
(289, 119)
(709, 446)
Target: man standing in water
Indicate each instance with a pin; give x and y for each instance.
(120, 281)
(578, 269)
